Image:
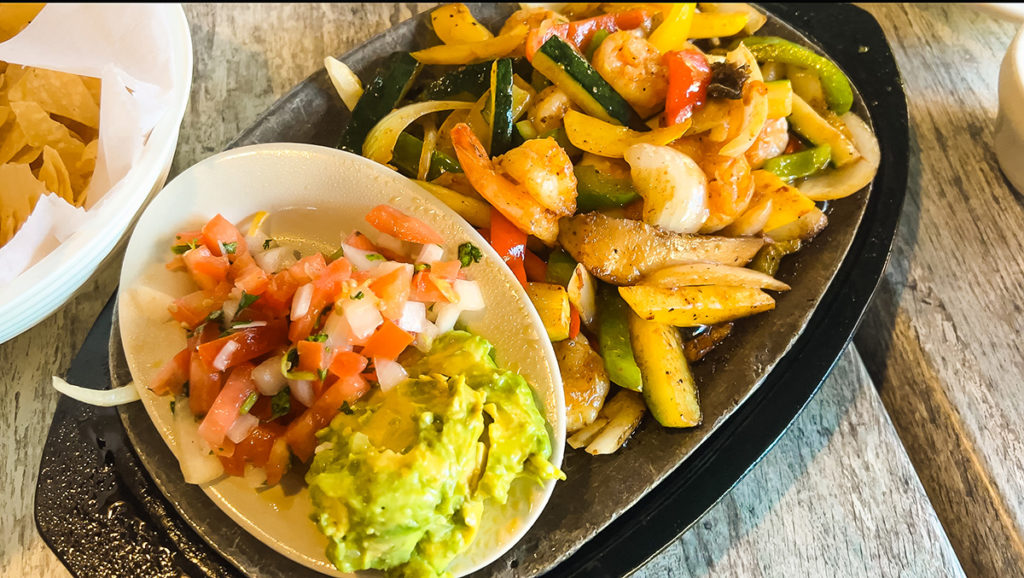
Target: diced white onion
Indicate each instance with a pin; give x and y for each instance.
(229, 308)
(414, 316)
(254, 477)
(389, 373)
(255, 242)
(302, 389)
(268, 377)
(101, 397)
(470, 297)
(425, 338)
(220, 363)
(363, 317)
(447, 315)
(198, 464)
(339, 336)
(358, 258)
(390, 243)
(276, 259)
(249, 325)
(243, 426)
(323, 447)
(430, 253)
(300, 302)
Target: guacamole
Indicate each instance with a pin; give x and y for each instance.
(401, 478)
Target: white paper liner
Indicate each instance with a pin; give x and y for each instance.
(126, 46)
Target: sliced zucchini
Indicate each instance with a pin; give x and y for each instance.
(406, 158)
(501, 106)
(392, 82)
(467, 83)
(669, 388)
(567, 69)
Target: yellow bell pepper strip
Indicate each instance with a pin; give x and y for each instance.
(473, 52)
(604, 139)
(581, 33)
(688, 76)
(706, 25)
(672, 33)
(801, 164)
(780, 98)
(475, 211)
(455, 24)
(838, 93)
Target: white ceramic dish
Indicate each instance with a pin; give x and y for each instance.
(342, 188)
(1009, 134)
(43, 288)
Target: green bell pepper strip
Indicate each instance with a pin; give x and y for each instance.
(596, 41)
(595, 191)
(613, 337)
(838, 93)
(406, 158)
(767, 260)
(560, 267)
(799, 164)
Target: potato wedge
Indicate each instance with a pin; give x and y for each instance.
(804, 228)
(620, 251)
(690, 274)
(788, 203)
(669, 388)
(695, 306)
(584, 379)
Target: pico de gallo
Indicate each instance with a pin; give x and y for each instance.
(279, 344)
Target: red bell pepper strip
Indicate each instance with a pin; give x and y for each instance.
(688, 77)
(510, 243)
(536, 268)
(574, 321)
(580, 32)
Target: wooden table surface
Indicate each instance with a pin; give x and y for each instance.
(907, 462)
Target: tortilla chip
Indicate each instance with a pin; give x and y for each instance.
(5, 113)
(27, 155)
(57, 93)
(14, 17)
(55, 176)
(93, 86)
(41, 130)
(12, 140)
(19, 191)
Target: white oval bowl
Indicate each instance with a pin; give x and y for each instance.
(343, 187)
(1009, 134)
(43, 288)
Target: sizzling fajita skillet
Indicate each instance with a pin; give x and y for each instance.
(109, 497)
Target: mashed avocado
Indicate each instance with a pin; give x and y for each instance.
(401, 478)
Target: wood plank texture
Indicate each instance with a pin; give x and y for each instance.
(941, 340)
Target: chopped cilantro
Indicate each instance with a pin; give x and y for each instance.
(422, 267)
(180, 249)
(248, 403)
(346, 408)
(358, 295)
(318, 338)
(375, 257)
(184, 389)
(231, 247)
(337, 254)
(266, 244)
(245, 301)
(469, 254)
(280, 404)
(215, 315)
(172, 407)
(322, 374)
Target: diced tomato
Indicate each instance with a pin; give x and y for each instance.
(256, 447)
(446, 269)
(220, 230)
(249, 276)
(226, 406)
(206, 269)
(332, 280)
(277, 461)
(311, 356)
(360, 241)
(203, 386)
(393, 291)
(347, 364)
(536, 268)
(194, 308)
(173, 375)
(510, 243)
(425, 288)
(252, 343)
(233, 465)
(176, 264)
(574, 321)
(391, 221)
(307, 269)
(187, 237)
(388, 341)
(301, 433)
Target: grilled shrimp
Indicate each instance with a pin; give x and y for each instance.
(548, 108)
(770, 143)
(510, 198)
(634, 68)
(531, 18)
(730, 185)
(545, 171)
